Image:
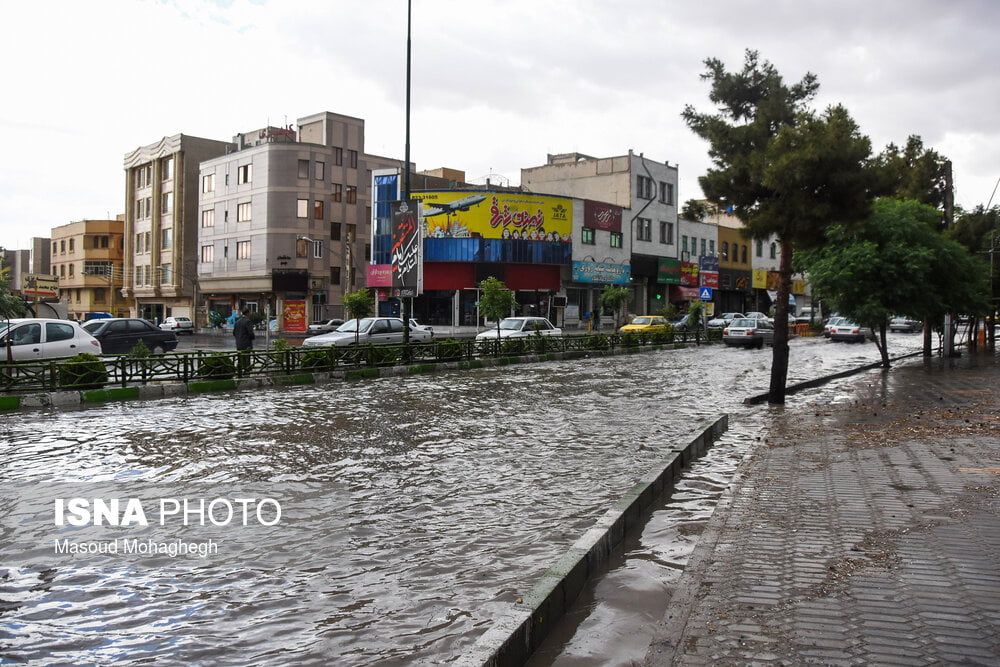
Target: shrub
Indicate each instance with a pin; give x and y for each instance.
(513, 347)
(216, 319)
(630, 340)
(84, 371)
(217, 366)
(140, 350)
(318, 360)
(381, 355)
(448, 349)
(596, 342)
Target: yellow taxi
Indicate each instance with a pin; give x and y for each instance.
(645, 324)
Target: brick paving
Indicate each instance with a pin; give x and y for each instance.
(858, 533)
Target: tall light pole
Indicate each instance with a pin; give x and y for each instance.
(406, 166)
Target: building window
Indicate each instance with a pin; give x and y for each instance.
(616, 239)
(352, 194)
(337, 191)
(166, 238)
(666, 232)
(352, 159)
(302, 208)
(743, 260)
(351, 229)
(244, 174)
(338, 156)
(711, 248)
(207, 254)
(98, 295)
(208, 218)
(725, 250)
(70, 270)
(644, 229)
(243, 250)
(166, 203)
(317, 249)
(334, 275)
(318, 209)
(760, 248)
(704, 244)
(334, 231)
(138, 244)
(644, 187)
(774, 250)
(320, 171)
(667, 193)
(303, 168)
(243, 212)
(168, 168)
(208, 183)
(684, 244)
(166, 274)
(71, 245)
(587, 236)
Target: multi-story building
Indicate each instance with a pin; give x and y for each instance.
(735, 292)
(646, 189)
(161, 225)
(87, 256)
(766, 263)
(283, 220)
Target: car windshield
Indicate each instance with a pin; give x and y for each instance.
(642, 320)
(512, 323)
(3, 327)
(352, 326)
(91, 327)
(743, 323)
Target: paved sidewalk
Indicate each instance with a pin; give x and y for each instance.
(862, 533)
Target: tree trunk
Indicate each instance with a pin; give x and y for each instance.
(883, 347)
(779, 359)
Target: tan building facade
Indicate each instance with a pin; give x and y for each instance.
(87, 256)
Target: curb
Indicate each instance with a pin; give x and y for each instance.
(518, 630)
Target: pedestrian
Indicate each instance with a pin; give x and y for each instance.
(243, 331)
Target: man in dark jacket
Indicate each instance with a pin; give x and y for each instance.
(243, 331)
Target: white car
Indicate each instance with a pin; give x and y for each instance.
(723, 320)
(323, 326)
(423, 327)
(178, 325)
(368, 330)
(521, 327)
(44, 338)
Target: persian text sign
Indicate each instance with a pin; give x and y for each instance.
(294, 316)
(600, 272)
(40, 285)
(405, 245)
(495, 215)
(378, 275)
(606, 217)
(668, 271)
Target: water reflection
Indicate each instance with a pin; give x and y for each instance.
(447, 492)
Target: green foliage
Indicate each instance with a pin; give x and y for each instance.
(694, 210)
(140, 350)
(318, 360)
(668, 311)
(280, 345)
(84, 371)
(914, 173)
(513, 347)
(630, 339)
(597, 342)
(217, 366)
(216, 319)
(381, 355)
(495, 300)
(978, 230)
(695, 312)
(358, 305)
(615, 298)
(448, 349)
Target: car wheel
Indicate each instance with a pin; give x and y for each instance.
(157, 349)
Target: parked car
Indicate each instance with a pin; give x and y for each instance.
(368, 330)
(118, 335)
(323, 326)
(44, 338)
(422, 327)
(757, 315)
(521, 327)
(850, 332)
(749, 332)
(833, 321)
(178, 325)
(723, 320)
(683, 323)
(905, 324)
(645, 324)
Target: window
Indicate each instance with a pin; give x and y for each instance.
(317, 249)
(138, 244)
(166, 274)
(725, 250)
(350, 233)
(760, 248)
(319, 171)
(318, 209)
(243, 250)
(334, 231)
(587, 236)
(644, 229)
(303, 168)
(207, 254)
(774, 251)
(337, 191)
(743, 260)
(139, 213)
(334, 275)
(704, 247)
(208, 183)
(243, 212)
(352, 159)
(338, 156)
(70, 270)
(101, 241)
(166, 238)
(98, 296)
(55, 247)
(71, 244)
(711, 247)
(667, 193)
(616, 239)
(244, 174)
(666, 232)
(166, 202)
(352, 194)
(168, 168)
(302, 208)
(644, 187)
(684, 244)
(208, 218)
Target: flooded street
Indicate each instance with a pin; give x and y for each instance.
(407, 504)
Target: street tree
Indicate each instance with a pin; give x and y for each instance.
(358, 305)
(10, 305)
(781, 168)
(495, 301)
(895, 263)
(694, 209)
(614, 298)
(913, 172)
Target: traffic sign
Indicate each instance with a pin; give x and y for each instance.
(705, 293)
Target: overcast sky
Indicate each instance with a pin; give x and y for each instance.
(496, 85)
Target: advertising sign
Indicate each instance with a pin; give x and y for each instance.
(668, 271)
(378, 275)
(600, 272)
(496, 215)
(40, 285)
(606, 217)
(406, 266)
(294, 316)
(708, 273)
(759, 279)
(689, 274)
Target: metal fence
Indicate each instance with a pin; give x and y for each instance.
(125, 370)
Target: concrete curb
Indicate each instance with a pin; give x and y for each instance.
(518, 630)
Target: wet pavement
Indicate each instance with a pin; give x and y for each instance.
(863, 529)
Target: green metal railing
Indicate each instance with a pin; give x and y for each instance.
(125, 370)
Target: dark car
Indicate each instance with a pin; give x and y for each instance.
(118, 335)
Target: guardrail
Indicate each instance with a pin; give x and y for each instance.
(124, 370)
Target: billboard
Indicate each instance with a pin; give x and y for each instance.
(294, 316)
(406, 266)
(602, 272)
(606, 217)
(496, 215)
(42, 286)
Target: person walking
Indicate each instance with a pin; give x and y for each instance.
(243, 331)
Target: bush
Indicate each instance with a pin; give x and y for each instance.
(216, 319)
(318, 360)
(596, 342)
(630, 339)
(217, 366)
(513, 347)
(84, 371)
(140, 350)
(381, 355)
(448, 349)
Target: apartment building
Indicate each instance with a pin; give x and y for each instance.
(161, 225)
(646, 190)
(87, 256)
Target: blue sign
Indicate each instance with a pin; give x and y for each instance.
(601, 272)
(705, 293)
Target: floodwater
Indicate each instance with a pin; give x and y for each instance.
(407, 505)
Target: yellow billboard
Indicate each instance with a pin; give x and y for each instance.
(496, 215)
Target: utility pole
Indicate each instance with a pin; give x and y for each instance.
(949, 219)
